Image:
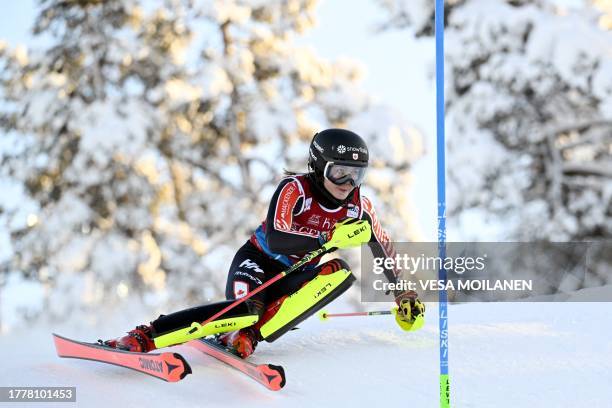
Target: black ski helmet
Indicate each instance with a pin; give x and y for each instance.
(337, 147)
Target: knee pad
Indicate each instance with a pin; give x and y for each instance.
(333, 279)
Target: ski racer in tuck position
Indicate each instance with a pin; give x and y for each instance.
(307, 211)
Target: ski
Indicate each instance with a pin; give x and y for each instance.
(167, 366)
(269, 375)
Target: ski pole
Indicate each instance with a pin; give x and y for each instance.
(307, 258)
(324, 316)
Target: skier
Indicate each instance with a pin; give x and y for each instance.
(306, 211)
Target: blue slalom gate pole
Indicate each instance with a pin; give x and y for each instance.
(441, 170)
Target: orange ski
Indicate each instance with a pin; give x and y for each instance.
(167, 366)
(269, 375)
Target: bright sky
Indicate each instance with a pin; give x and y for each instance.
(396, 67)
(17, 18)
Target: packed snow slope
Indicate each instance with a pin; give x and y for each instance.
(501, 355)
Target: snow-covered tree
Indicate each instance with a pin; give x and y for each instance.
(149, 136)
(529, 117)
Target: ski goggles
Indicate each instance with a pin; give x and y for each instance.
(341, 174)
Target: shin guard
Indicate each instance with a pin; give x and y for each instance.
(306, 301)
(183, 326)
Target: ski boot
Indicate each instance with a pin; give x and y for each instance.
(139, 340)
(242, 342)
